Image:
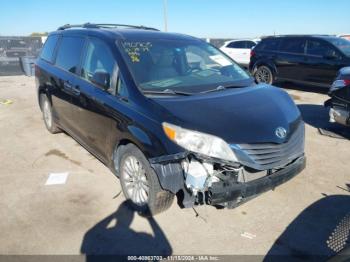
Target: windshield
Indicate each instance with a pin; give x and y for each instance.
(187, 66)
(342, 44)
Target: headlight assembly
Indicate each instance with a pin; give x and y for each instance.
(198, 142)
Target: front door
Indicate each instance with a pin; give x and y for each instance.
(93, 103)
(322, 62)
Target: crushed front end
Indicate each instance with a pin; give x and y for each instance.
(208, 180)
(339, 103)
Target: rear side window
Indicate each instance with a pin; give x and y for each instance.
(269, 45)
(238, 44)
(98, 59)
(49, 48)
(250, 44)
(296, 45)
(69, 53)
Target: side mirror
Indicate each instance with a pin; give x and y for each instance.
(101, 79)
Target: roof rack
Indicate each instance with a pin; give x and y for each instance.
(295, 35)
(89, 25)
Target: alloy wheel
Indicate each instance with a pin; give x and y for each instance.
(135, 180)
(47, 113)
(263, 75)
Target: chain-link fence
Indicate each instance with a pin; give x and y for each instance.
(12, 49)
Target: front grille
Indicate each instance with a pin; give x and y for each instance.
(265, 156)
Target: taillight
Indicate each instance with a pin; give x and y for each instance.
(346, 82)
(338, 84)
(252, 53)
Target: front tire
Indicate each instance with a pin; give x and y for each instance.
(264, 74)
(140, 183)
(46, 109)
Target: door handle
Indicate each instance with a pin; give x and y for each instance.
(76, 90)
(67, 85)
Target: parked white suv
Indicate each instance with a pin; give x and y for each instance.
(239, 50)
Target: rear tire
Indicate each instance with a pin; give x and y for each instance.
(140, 183)
(46, 109)
(264, 74)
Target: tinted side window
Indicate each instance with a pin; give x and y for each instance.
(269, 45)
(318, 48)
(238, 44)
(98, 59)
(49, 48)
(69, 53)
(296, 45)
(250, 44)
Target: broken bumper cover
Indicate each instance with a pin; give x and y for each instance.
(338, 111)
(223, 192)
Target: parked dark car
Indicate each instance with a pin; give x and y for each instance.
(339, 103)
(168, 114)
(304, 59)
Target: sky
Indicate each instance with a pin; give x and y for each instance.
(201, 18)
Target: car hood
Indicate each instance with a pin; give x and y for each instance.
(239, 115)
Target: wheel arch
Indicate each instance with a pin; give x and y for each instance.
(118, 152)
(268, 64)
(143, 141)
(43, 90)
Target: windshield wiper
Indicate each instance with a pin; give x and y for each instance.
(218, 88)
(166, 92)
(221, 87)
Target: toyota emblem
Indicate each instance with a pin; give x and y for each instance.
(281, 132)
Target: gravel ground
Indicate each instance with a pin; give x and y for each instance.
(87, 214)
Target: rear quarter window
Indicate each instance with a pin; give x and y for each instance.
(49, 48)
(69, 53)
(293, 45)
(250, 44)
(268, 45)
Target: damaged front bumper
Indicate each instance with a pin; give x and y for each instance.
(226, 184)
(339, 111)
(224, 192)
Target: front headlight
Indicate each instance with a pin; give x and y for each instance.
(198, 142)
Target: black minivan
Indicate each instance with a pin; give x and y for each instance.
(169, 115)
(309, 59)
